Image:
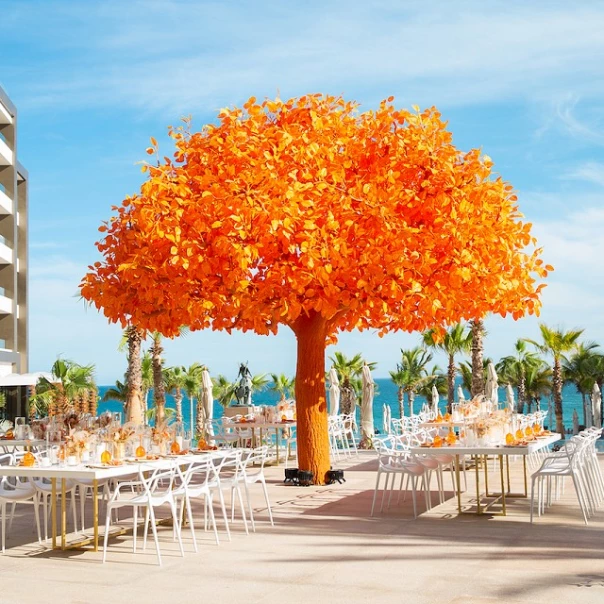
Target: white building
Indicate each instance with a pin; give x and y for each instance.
(13, 246)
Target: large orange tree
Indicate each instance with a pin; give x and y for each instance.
(311, 214)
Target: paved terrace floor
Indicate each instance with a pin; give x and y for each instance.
(325, 548)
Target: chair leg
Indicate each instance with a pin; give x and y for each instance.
(224, 513)
(212, 518)
(177, 525)
(37, 516)
(154, 530)
(107, 522)
(268, 503)
(249, 506)
(187, 501)
(134, 527)
(240, 497)
(145, 528)
(83, 493)
(3, 512)
(375, 492)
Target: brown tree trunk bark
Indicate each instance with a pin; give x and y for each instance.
(178, 404)
(557, 383)
(584, 408)
(477, 327)
(134, 377)
(450, 384)
(521, 395)
(401, 403)
(311, 407)
(159, 391)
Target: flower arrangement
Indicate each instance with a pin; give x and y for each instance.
(122, 434)
(161, 435)
(78, 441)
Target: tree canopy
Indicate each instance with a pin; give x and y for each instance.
(288, 208)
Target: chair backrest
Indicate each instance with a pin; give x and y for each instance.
(152, 479)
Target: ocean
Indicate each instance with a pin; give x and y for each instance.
(386, 394)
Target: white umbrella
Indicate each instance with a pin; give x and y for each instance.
(596, 405)
(367, 430)
(461, 398)
(334, 392)
(509, 397)
(435, 399)
(575, 422)
(491, 385)
(387, 418)
(208, 402)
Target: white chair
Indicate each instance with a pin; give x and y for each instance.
(194, 483)
(393, 463)
(148, 492)
(253, 473)
(14, 493)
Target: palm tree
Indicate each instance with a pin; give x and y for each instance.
(455, 341)
(513, 368)
(478, 380)
(259, 382)
(147, 379)
(579, 370)
(134, 402)
(435, 378)
(174, 382)
(556, 342)
(410, 374)
(159, 392)
(283, 385)
(538, 383)
(119, 392)
(70, 380)
(223, 391)
(349, 371)
(192, 384)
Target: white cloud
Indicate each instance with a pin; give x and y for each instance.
(184, 56)
(591, 172)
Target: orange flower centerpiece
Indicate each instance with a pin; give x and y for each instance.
(119, 437)
(78, 443)
(161, 436)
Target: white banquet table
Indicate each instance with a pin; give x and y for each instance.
(502, 452)
(94, 473)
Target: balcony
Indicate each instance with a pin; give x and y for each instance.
(6, 155)
(6, 305)
(5, 116)
(6, 204)
(6, 254)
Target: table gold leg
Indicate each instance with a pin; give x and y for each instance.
(507, 465)
(63, 514)
(478, 508)
(95, 513)
(486, 474)
(525, 478)
(502, 484)
(53, 511)
(458, 483)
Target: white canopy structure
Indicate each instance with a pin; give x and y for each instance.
(334, 392)
(461, 397)
(208, 401)
(25, 379)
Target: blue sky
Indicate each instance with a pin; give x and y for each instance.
(94, 80)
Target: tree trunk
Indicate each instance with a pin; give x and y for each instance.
(159, 391)
(145, 394)
(557, 384)
(401, 403)
(178, 404)
(348, 399)
(584, 409)
(134, 377)
(521, 394)
(200, 420)
(311, 407)
(477, 327)
(451, 384)
(411, 397)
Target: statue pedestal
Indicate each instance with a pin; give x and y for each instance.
(238, 410)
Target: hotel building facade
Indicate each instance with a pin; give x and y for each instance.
(13, 246)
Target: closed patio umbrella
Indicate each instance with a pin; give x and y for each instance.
(596, 406)
(334, 392)
(491, 385)
(367, 429)
(387, 418)
(461, 398)
(509, 397)
(575, 422)
(435, 399)
(208, 402)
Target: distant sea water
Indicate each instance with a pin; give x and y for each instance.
(386, 394)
